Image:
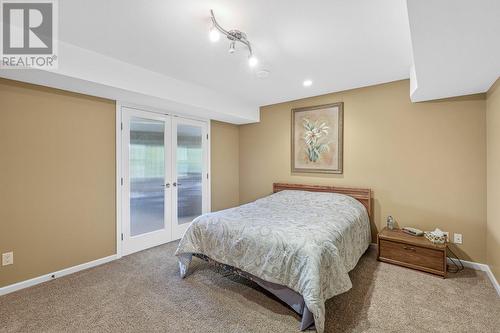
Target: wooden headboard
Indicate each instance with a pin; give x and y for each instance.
(363, 195)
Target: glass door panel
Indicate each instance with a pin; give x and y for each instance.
(190, 173)
(147, 175)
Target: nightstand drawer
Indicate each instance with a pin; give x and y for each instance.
(412, 255)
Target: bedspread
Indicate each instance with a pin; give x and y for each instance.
(307, 241)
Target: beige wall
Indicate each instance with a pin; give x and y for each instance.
(57, 168)
(426, 162)
(57, 176)
(224, 164)
(493, 165)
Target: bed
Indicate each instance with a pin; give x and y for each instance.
(298, 243)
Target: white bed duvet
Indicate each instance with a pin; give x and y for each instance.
(307, 241)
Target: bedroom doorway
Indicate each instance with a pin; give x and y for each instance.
(164, 177)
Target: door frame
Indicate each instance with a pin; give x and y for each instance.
(119, 166)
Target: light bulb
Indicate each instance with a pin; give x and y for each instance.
(252, 61)
(231, 47)
(214, 35)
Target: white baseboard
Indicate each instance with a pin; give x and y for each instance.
(54, 275)
(493, 280)
(474, 265)
(481, 267)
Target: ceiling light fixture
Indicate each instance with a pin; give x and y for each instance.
(234, 36)
(307, 83)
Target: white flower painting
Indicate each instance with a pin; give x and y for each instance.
(314, 138)
(317, 139)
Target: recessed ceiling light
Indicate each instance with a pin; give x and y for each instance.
(307, 83)
(262, 74)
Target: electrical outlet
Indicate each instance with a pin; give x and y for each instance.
(457, 238)
(7, 258)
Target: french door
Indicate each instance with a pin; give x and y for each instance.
(164, 177)
(189, 168)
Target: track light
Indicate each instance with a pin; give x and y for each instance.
(233, 36)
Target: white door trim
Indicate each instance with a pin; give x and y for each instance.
(118, 162)
(209, 167)
(163, 112)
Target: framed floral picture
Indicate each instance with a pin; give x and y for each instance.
(317, 138)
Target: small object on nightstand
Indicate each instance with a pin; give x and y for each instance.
(412, 231)
(391, 224)
(399, 248)
(436, 236)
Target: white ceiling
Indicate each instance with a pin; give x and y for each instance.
(456, 47)
(338, 44)
(157, 53)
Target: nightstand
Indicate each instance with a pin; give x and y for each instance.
(396, 247)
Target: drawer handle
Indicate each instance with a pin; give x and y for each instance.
(409, 248)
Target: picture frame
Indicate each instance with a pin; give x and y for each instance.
(317, 139)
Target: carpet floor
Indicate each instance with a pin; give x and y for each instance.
(143, 293)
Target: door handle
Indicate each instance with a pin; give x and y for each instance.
(174, 183)
(167, 185)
